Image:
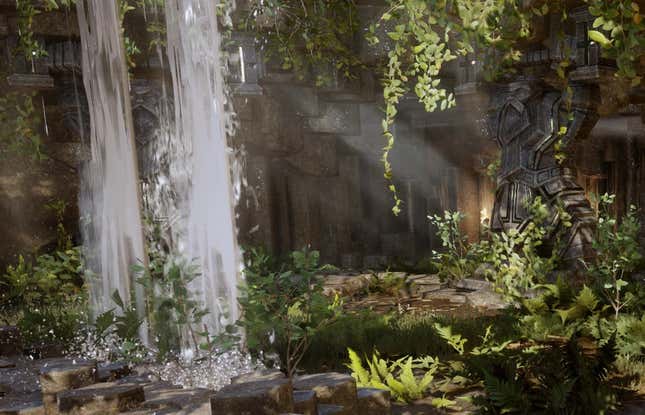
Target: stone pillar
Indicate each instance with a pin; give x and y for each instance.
(527, 120)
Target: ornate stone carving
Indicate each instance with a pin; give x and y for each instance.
(525, 120)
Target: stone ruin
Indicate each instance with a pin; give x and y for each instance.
(312, 154)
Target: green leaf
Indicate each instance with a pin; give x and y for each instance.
(599, 38)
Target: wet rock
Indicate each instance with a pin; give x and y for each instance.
(10, 341)
(372, 401)
(324, 409)
(22, 408)
(60, 376)
(331, 388)
(264, 397)
(100, 399)
(305, 402)
(268, 374)
(113, 371)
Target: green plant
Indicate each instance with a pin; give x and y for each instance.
(617, 254)
(398, 377)
(619, 29)
(308, 37)
(460, 258)
(284, 307)
(172, 309)
(46, 298)
(516, 257)
(19, 127)
(387, 283)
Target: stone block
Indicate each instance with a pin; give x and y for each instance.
(372, 401)
(10, 341)
(113, 371)
(336, 118)
(318, 155)
(64, 375)
(265, 397)
(168, 398)
(23, 408)
(5, 364)
(331, 389)
(101, 399)
(268, 374)
(305, 402)
(324, 409)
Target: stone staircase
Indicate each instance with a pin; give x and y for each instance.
(271, 393)
(65, 386)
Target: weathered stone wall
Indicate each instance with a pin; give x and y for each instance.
(313, 165)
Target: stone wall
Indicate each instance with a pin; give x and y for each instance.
(312, 155)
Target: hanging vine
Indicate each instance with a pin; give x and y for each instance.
(429, 34)
(620, 31)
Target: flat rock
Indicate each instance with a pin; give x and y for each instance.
(487, 300)
(331, 389)
(372, 401)
(101, 399)
(264, 397)
(60, 376)
(5, 364)
(305, 402)
(268, 374)
(10, 341)
(474, 285)
(23, 408)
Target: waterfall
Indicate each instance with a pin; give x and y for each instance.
(113, 234)
(201, 159)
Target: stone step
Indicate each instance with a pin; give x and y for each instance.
(372, 401)
(175, 398)
(264, 397)
(101, 399)
(305, 402)
(62, 375)
(268, 374)
(23, 408)
(324, 409)
(331, 389)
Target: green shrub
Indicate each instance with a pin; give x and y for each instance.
(45, 299)
(284, 307)
(459, 258)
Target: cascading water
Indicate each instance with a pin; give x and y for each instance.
(114, 234)
(201, 160)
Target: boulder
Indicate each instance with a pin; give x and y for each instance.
(263, 397)
(101, 399)
(331, 389)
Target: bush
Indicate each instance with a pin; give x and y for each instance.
(46, 299)
(283, 307)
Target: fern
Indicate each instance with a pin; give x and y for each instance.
(456, 341)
